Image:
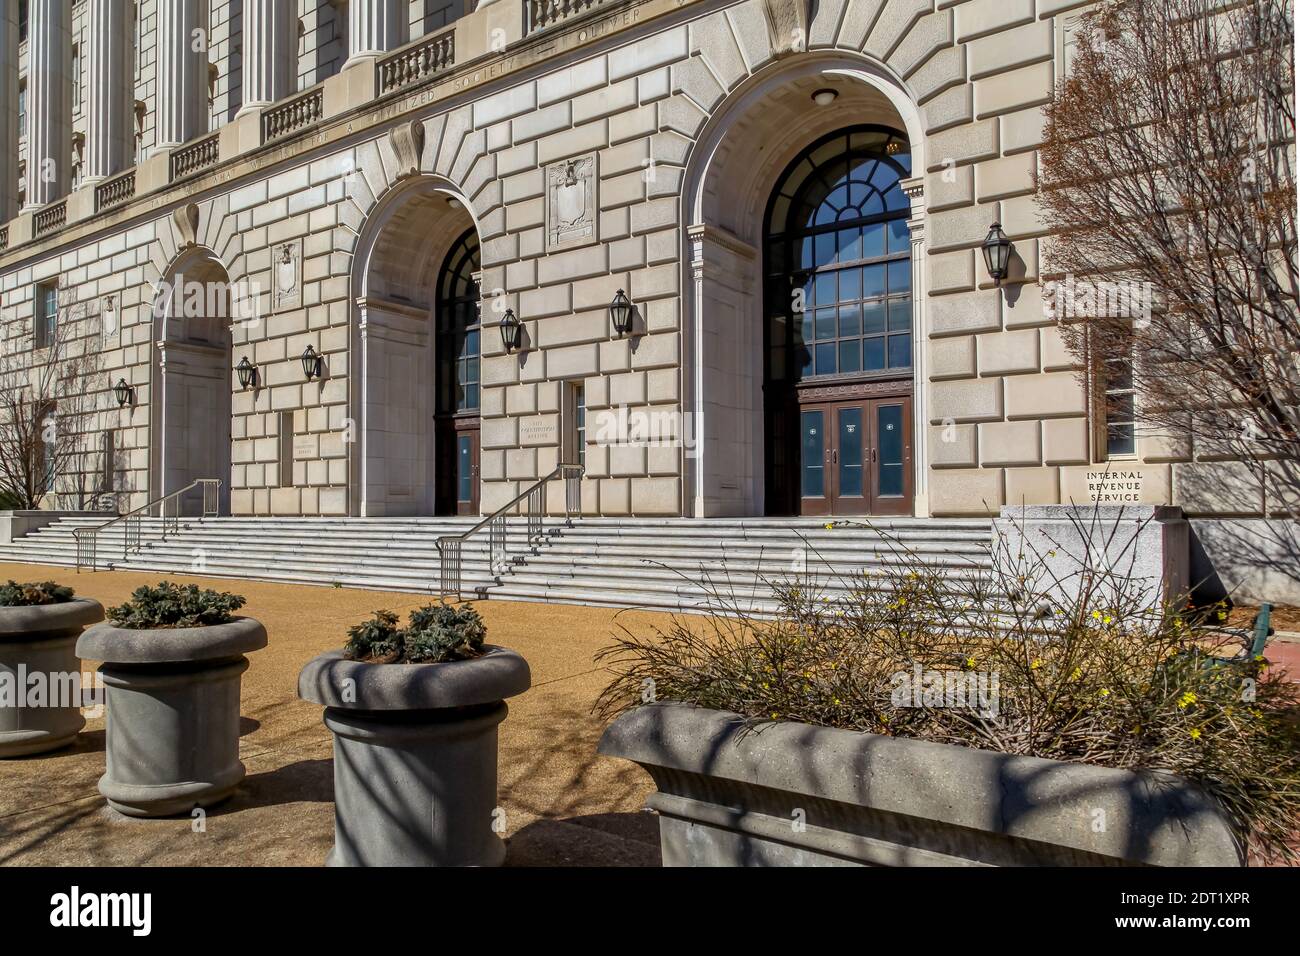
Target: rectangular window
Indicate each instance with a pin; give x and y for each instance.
(45, 314)
(575, 413)
(22, 109)
(76, 78)
(22, 20)
(108, 451)
(1117, 399)
(286, 449)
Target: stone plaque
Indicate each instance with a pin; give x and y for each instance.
(571, 202)
(286, 275)
(539, 430)
(304, 446)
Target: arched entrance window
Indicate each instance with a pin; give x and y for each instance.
(838, 294)
(457, 403)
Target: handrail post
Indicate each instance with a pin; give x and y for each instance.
(533, 500)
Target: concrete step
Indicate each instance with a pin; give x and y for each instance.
(665, 563)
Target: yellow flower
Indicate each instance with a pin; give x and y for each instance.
(775, 715)
(1106, 619)
(1186, 700)
(830, 525)
(1096, 615)
(1035, 664)
(1196, 733)
(1104, 692)
(1076, 674)
(835, 701)
(970, 662)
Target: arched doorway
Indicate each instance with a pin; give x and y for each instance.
(456, 413)
(191, 397)
(838, 338)
(750, 145)
(416, 336)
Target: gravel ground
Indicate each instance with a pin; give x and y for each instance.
(564, 805)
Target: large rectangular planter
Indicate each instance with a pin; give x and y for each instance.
(790, 794)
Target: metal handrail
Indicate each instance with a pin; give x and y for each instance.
(449, 546)
(88, 538)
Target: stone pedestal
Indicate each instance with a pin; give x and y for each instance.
(1110, 548)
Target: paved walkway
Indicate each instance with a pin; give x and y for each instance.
(564, 805)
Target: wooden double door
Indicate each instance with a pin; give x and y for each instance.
(855, 456)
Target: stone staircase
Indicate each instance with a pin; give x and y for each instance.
(661, 563)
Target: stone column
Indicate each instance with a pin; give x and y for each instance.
(375, 27)
(270, 57)
(181, 86)
(49, 101)
(8, 111)
(109, 88)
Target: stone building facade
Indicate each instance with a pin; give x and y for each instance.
(383, 181)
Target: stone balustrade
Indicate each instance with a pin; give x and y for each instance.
(418, 62)
(115, 191)
(540, 14)
(52, 217)
(195, 157)
(293, 116)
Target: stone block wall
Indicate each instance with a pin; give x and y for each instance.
(1005, 408)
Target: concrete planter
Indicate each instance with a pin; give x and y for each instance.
(173, 713)
(41, 639)
(790, 794)
(415, 756)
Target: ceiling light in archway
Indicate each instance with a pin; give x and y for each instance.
(825, 97)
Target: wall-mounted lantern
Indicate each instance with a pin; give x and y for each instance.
(312, 364)
(122, 392)
(247, 372)
(997, 253)
(512, 331)
(620, 313)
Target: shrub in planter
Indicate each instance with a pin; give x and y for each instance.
(173, 658)
(40, 675)
(917, 721)
(414, 713)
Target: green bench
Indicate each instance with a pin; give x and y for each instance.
(1257, 636)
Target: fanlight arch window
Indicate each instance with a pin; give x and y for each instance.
(838, 260)
(459, 327)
